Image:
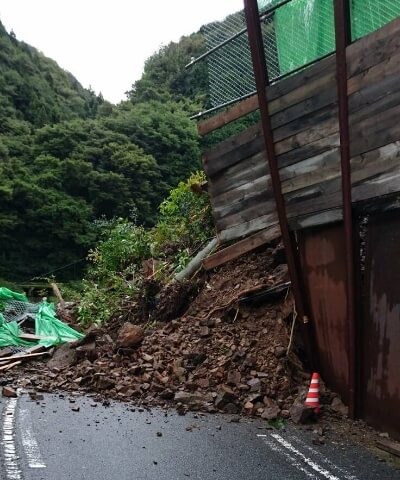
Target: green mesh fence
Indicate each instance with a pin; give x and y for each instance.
(305, 31)
(295, 34)
(369, 15)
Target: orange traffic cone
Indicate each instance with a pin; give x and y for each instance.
(312, 399)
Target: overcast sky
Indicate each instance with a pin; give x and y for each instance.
(104, 43)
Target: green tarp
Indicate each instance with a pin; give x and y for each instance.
(6, 295)
(305, 29)
(46, 324)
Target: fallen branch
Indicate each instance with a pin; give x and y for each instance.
(58, 295)
(196, 262)
(231, 302)
(9, 366)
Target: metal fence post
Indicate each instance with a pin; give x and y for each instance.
(343, 39)
(261, 80)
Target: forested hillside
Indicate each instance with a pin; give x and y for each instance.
(69, 158)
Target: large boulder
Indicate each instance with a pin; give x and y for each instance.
(130, 336)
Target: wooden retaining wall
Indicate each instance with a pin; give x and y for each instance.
(306, 134)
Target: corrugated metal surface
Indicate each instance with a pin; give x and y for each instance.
(323, 263)
(381, 325)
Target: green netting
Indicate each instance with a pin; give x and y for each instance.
(304, 31)
(297, 33)
(369, 15)
(46, 323)
(9, 334)
(7, 295)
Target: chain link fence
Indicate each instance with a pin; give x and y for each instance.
(295, 34)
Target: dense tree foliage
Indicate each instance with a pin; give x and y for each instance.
(34, 88)
(67, 157)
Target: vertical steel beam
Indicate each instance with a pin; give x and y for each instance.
(262, 81)
(343, 39)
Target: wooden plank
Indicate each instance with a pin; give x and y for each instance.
(9, 366)
(244, 246)
(239, 174)
(375, 131)
(31, 336)
(240, 231)
(326, 169)
(309, 122)
(23, 356)
(374, 75)
(389, 446)
(233, 143)
(374, 93)
(246, 214)
(249, 190)
(246, 150)
(373, 174)
(323, 95)
(304, 82)
(251, 141)
(373, 48)
(309, 150)
(309, 165)
(374, 106)
(225, 209)
(224, 118)
(383, 184)
(316, 219)
(325, 129)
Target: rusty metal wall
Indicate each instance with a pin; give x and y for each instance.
(380, 324)
(323, 259)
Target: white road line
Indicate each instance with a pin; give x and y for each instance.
(346, 474)
(315, 466)
(11, 464)
(29, 441)
(291, 459)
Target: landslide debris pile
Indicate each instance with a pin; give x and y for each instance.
(225, 353)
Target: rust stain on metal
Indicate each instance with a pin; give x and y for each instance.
(323, 257)
(381, 325)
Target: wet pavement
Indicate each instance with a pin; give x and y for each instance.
(48, 440)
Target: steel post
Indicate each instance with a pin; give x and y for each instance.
(343, 39)
(261, 80)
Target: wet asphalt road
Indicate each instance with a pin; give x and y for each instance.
(49, 441)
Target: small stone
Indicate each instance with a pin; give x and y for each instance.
(233, 377)
(204, 331)
(280, 352)
(254, 384)
(231, 408)
(271, 413)
(147, 358)
(301, 414)
(159, 434)
(203, 382)
(36, 396)
(65, 356)
(339, 407)
(9, 392)
(384, 435)
(75, 409)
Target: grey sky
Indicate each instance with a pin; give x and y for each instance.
(104, 43)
